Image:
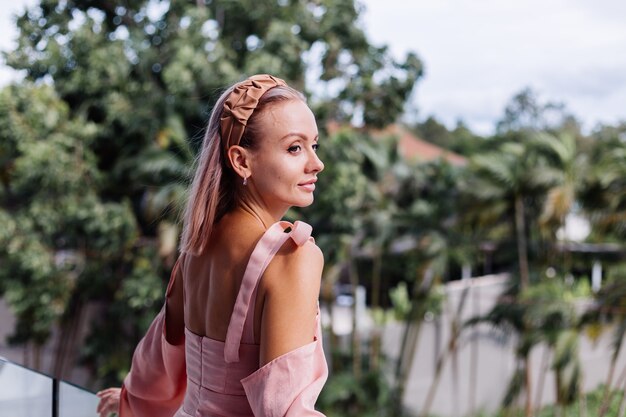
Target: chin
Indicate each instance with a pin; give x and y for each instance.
(304, 203)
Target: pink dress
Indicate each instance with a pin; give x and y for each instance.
(205, 377)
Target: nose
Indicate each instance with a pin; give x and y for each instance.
(315, 163)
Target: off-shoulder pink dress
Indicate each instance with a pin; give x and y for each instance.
(205, 377)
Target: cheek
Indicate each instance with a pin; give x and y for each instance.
(272, 175)
(281, 171)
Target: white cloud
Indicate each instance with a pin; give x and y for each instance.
(8, 34)
(479, 53)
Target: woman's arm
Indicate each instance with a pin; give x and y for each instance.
(156, 382)
(293, 366)
(291, 284)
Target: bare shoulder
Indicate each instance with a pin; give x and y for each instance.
(290, 289)
(294, 265)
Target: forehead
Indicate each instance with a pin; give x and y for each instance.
(288, 117)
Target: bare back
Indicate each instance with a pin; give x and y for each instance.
(212, 280)
(285, 307)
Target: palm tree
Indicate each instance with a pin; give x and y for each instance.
(550, 308)
(505, 181)
(423, 299)
(510, 316)
(428, 213)
(386, 170)
(456, 328)
(502, 181)
(603, 197)
(603, 193)
(568, 167)
(609, 306)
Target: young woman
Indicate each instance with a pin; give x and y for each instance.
(239, 334)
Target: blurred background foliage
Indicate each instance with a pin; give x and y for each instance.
(97, 145)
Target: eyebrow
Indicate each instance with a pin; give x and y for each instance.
(300, 135)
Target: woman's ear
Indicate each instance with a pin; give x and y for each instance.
(239, 158)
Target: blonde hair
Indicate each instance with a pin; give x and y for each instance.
(213, 191)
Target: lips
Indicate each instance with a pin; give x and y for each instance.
(308, 185)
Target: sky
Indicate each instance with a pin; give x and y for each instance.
(478, 54)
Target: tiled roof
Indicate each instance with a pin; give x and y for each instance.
(410, 146)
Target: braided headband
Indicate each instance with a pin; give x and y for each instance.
(240, 105)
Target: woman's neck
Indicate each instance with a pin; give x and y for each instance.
(263, 216)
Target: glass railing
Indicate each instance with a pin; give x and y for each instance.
(26, 393)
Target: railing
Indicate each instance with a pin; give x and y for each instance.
(26, 393)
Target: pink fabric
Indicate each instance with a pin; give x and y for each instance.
(155, 385)
(206, 377)
(290, 384)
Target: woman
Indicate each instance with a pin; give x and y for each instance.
(239, 333)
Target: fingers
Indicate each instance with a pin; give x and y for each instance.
(109, 401)
(108, 391)
(107, 407)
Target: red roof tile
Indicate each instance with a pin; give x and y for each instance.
(410, 146)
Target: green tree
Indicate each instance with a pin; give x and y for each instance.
(60, 233)
(465, 141)
(525, 187)
(510, 317)
(603, 192)
(434, 132)
(610, 308)
(551, 310)
(525, 112)
(428, 216)
(544, 312)
(505, 182)
(460, 139)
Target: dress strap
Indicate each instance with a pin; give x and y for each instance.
(265, 249)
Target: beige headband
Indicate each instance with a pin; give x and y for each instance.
(240, 105)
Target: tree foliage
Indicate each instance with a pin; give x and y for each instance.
(62, 238)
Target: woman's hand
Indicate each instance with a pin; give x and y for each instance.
(109, 401)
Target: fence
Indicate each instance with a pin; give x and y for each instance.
(26, 393)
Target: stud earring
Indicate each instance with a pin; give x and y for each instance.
(245, 180)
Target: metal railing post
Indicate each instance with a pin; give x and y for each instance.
(55, 397)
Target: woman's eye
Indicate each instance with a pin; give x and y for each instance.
(294, 148)
(316, 147)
